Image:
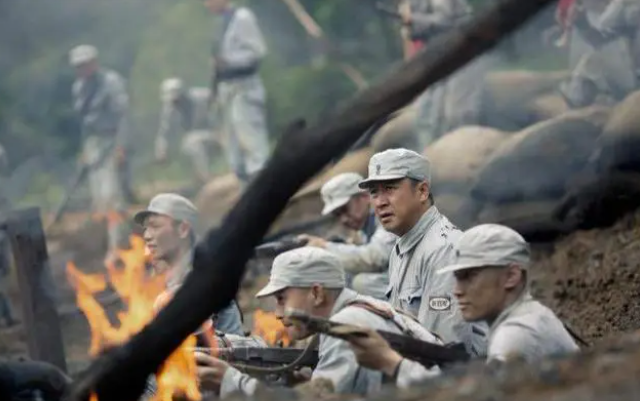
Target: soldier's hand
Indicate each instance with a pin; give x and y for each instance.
(211, 371)
(312, 240)
(373, 352)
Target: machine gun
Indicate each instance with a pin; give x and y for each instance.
(425, 353)
(272, 365)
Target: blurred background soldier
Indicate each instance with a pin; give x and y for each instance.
(457, 100)
(238, 90)
(102, 102)
(186, 109)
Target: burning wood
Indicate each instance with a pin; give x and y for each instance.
(270, 328)
(143, 296)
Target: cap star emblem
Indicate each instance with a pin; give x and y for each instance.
(377, 169)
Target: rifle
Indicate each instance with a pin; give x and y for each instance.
(425, 353)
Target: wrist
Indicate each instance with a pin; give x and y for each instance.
(392, 364)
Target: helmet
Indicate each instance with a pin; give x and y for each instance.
(171, 88)
(82, 54)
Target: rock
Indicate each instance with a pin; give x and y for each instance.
(509, 94)
(618, 145)
(217, 197)
(398, 132)
(540, 161)
(457, 157)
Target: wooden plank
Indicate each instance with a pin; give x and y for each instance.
(37, 289)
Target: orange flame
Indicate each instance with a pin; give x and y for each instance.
(143, 296)
(270, 328)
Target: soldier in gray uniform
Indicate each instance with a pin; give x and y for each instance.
(399, 183)
(170, 223)
(611, 70)
(238, 88)
(492, 285)
(311, 280)
(188, 110)
(369, 263)
(102, 102)
(457, 100)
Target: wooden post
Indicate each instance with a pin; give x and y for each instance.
(37, 289)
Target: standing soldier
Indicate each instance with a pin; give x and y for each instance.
(102, 102)
(399, 183)
(457, 100)
(492, 285)
(369, 262)
(189, 109)
(237, 88)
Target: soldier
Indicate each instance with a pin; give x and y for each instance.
(610, 71)
(399, 183)
(351, 206)
(188, 108)
(311, 280)
(238, 89)
(169, 224)
(492, 285)
(101, 101)
(457, 100)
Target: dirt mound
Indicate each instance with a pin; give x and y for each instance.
(592, 278)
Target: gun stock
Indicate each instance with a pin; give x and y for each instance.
(427, 354)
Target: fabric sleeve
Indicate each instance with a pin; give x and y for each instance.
(249, 46)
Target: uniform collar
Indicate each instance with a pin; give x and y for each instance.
(523, 298)
(180, 270)
(408, 241)
(344, 298)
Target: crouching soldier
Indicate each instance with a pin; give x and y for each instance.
(169, 224)
(311, 280)
(345, 200)
(492, 285)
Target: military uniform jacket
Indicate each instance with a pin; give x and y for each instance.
(190, 114)
(372, 257)
(336, 360)
(101, 102)
(430, 18)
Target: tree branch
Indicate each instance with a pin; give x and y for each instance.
(220, 258)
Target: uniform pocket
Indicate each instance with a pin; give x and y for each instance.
(411, 298)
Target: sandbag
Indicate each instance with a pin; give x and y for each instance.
(537, 162)
(398, 132)
(620, 140)
(354, 162)
(534, 220)
(460, 209)
(508, 94)
(457, 157)
(217, 197)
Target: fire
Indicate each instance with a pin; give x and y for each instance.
(270, 328)
(143, 297)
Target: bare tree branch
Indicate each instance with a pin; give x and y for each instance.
(220, 258)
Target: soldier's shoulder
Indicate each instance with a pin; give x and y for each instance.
(112, 76)
(199, 92)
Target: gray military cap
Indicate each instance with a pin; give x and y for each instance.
(338, 190)
(173, 205)
(82, 54)
(302, 268)
(489, 245)
(394, 164)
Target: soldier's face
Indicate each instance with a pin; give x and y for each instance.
(87, 69)
(399, 204)
(216, 6)
(311, 301)
(162, 236)
(354, 214)
(482, 293)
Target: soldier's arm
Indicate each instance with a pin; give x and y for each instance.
(229, 321)
(619, 16)
(251, 47)
(236, 381)
(369, 258)
(168, 117)
(119, 100)
(443, 17)
(411, 372)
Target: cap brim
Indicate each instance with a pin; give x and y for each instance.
(460, 266)
(140, 217)
(270, 289)
(338, 203)
(391, 177)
